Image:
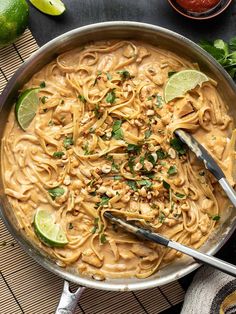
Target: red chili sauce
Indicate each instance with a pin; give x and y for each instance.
(197, 5)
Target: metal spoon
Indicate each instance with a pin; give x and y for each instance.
(155, 237)
(209, 162)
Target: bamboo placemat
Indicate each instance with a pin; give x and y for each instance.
(27, 288)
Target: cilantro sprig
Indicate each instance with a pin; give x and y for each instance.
(223, 52)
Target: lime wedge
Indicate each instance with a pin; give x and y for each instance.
(26, 107)
(47, 231)
(182, 82)
(51, 7)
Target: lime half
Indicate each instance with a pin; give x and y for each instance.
(26, 107)
(182, 82)
(48, 232)
(51, 7)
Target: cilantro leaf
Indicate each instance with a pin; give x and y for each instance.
(109, 77)
(178, 145)
(216, 218)
(166, 185)
(159, 101)
(56, 192)
(147, 134)
(179, 195)
(117, 131)
(172, 170)
(82, 98)
(104, 201)
(103, 238)
(124, 74)
(111, 97)
(161, 154)
(58, 154)
(135, 149)
(42, 84)
(132, 184)
(67, 142)
(145, 183)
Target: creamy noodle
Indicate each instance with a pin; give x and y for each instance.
(102, 112)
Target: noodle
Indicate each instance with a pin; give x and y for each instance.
(105, 137)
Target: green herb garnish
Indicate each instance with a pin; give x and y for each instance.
(95, 225)
(111, 97)
(178, 145)
(42, 85)
(223, 52)
(166, 185)
(216, 218)
(86, 149)
(161, 154)
(58, 154)
(70, 225)
(67, 142)
(179, 195)
(132, 184)
(147, 134)
(161, 218)
(103, 238)
(131, 163)
(135, 149)
(97, 112)
(117, 131)
(44, 99)
(82, 98)
(146, 183)
(109, 77)
(124, 74)
(159, 101)
(104, 201)
(56, 192)
(172, 170)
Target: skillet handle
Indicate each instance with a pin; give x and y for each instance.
(69, 300)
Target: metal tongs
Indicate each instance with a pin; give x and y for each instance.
(212, 166)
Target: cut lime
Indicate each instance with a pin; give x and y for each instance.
(51, 7)
(26, 107)
(48, 232)
(182, 82)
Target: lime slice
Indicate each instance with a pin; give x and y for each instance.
(48, 232)
(51, 7)
(182, 82)
(26, 107)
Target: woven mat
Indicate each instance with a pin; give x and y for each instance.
(25, 287)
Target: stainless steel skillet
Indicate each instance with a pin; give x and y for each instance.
(156, 36)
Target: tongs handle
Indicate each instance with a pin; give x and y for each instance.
(69, 300)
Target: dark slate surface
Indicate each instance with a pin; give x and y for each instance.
(158, 12)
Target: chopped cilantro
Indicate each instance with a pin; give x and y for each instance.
(178, 145)
(70, 225)
(86, 149)
(141, 160)
(124, 74)
(95, 225)
(147, 134)
(103, 238)
(56, 192)
(97, 112)
(159, 101)
(150, 158)
(117, 131)
(132, 184)
(117, 177)
(131, 163)
(104, 201)
(172, 170)
(135, 149)
(42, 85)
(216, 218)
(162, 217)
(44, 99)
(67, 142)
(161, 154)
(166, 185)
(58, 154)
(179, 195)
(145, 183)
(81, 97)
(109, 77)
(111, 97)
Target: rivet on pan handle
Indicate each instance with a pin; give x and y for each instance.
(69, 300)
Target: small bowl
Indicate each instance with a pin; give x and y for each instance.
(213, 12)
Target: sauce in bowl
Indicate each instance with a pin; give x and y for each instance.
(197, 5)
